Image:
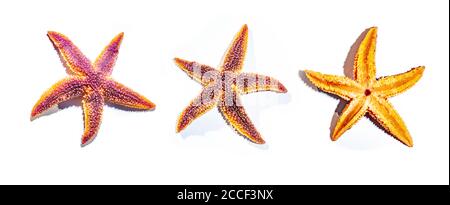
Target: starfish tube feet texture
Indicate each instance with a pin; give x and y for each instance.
(91, 82)
(222, 88)
(367, 94)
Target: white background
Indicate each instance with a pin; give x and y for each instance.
(285, 37)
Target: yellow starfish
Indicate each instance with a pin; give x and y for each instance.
(222, 88)
(366, 94)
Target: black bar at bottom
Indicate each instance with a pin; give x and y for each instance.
(230, 193)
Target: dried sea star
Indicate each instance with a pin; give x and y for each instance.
(92, 82)
(366, 93)
(223, 86)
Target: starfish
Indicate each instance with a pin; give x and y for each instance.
(222, 88)
(366, 93)
(91, 82)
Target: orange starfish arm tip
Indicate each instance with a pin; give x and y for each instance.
(250, 82)
(234, 113)
(337, 85)
(383, 112)
(207, 99)
(392, 85)
(119, 94)
(66, 89)
(234, 56)
(364, 65)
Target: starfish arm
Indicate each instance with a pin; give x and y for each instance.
(207, 99)
(393, 85)
(364, 65)
(201, 73)
(70, 55)
(119, 94)
(234, 113)
(92, 104)
(383, 112)
(351, 113)
(66, 89)
(233, 59)
(251, 82)
(344, 87)
(106, 60)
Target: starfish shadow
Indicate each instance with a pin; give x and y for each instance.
(60, 106)
(255, 106)
(202, 125)
(70, 103)
(125, 108)
(348, 72)
(339, 107)
(76, 102)
(49, 111)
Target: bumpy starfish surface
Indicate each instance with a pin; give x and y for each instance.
(91, 82)
(222, 88)
(366, 93)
